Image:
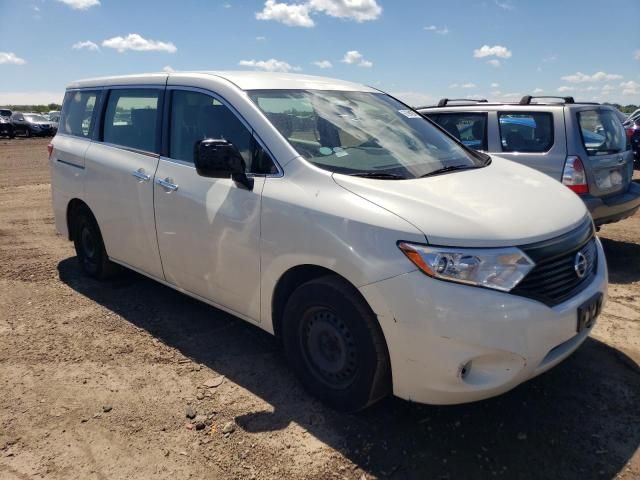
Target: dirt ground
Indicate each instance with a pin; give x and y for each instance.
(95, 380)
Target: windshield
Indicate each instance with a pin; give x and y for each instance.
(362, 133)
(602, 132)
(35, 118)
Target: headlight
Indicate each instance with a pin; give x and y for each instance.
(498, 268)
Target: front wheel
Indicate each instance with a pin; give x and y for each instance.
(335, 345)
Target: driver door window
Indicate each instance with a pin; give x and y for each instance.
(197, 116)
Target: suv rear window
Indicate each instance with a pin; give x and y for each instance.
(526, 132)
(601, 132)
(468, 127)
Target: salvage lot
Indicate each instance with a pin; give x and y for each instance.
(96, 379)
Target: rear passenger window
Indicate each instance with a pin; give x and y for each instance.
(526, 132)
(77, 113)
(131, 119)
(470, 128)
(197, 116)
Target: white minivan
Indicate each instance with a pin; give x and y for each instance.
(387, 256)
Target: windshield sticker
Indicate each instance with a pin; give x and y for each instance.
(325, 150)
(339, 152)
(409, 113)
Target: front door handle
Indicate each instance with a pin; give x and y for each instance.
(167, 184)
(140, 175)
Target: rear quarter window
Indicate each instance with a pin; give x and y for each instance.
(526, 131)
(77, 113)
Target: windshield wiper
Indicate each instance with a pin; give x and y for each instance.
(380, 175)
(449, 168)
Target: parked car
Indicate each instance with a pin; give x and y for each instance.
(386, 256)
(31, 124)
(6, 127)
(633, 134)
(633, 116)
(54, 118)
(582, 145)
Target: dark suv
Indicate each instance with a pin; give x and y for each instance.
(6, 127)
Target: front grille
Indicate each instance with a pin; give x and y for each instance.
(554, 278)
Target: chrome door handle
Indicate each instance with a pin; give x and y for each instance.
(140, 175)
(167, 184)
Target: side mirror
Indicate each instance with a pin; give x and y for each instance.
(217, 158)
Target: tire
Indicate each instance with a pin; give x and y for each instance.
(89, 246)
(334, 344)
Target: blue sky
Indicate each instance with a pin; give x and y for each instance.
(419, 50)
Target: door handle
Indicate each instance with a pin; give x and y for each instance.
(140, 175)
(167, 184)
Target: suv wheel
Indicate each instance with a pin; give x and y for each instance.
(89, 246)
(335, 345)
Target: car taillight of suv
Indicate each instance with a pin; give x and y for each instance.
(573, 175)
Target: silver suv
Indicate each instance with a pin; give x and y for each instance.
(583, 145)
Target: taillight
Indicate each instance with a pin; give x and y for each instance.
(50, 149)
(574, 176)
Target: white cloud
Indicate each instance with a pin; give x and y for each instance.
(505, 5)
(565, 89)
(494, 62)
(88, 45)
(271, 65)
(30, 98)
(358, 10)
(81, 4)
(168, 69)
(495, 51)
(133, 41)
(294, 15)
(550, 58)
(227, 5)
(299, 14)
(438, 30)
(354, 57)
(607, 88)
(10, 57)
(536, 91)
(495, 85)
(323, 64)
(463, 85)
(35, 8)
(630, 88)
(261, 38)
(636, 55)
(580, 77)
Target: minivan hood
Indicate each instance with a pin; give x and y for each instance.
(502, 204)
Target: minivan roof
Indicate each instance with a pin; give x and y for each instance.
(245, 80)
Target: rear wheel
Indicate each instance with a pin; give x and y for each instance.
(89, 246)
(335, 345)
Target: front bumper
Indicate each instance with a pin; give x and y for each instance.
(434, 328)
(613, 209)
